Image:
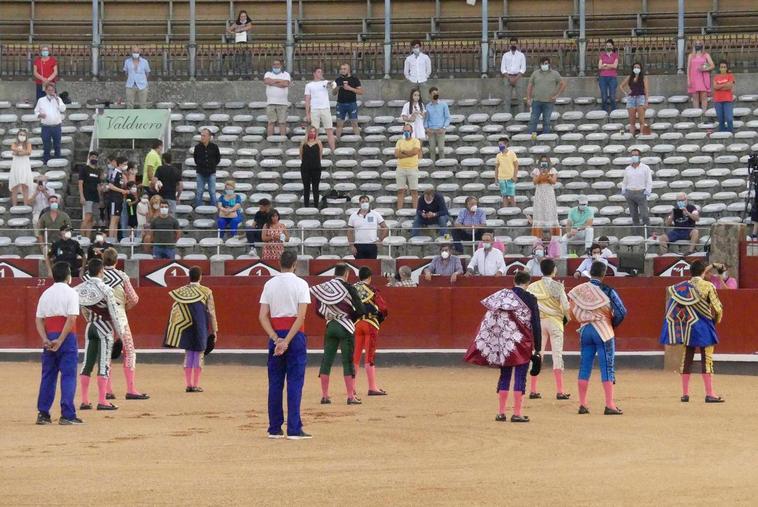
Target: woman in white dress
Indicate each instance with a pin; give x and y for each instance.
(545, 206)
(21, 178)
(414, 113)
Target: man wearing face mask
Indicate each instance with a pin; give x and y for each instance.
(408, 153)
(166, 233)
(418, 66)
(683, 219)
(636, 188)
(51, 222)
(347, 89)
(431, 210)
(595, 254)
(137, 70)
(67, 250)
(513, 67)
(436, 121)
(317, 107)
(445, 264)
(545, 85)
(506, 173)
(90, 178)
(579, 225)
(170, 177)
(45, 70)
(487, 261)
(100, 244)
(49, 110)
(115, 196)
(277, 82)
(367, 230)
(469, 225)
(533, 265)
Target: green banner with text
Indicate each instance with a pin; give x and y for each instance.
(132, 123)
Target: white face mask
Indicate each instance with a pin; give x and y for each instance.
(473, 208)
(635, 159)
(282, 237)
(545, 66)
(67, 235)
(22, 138)
(487, 245)
(596, 256)
(416, 51)
(444, 254)
(364, 206)
(135, 55)
(156, 206)
(164, 212)
(144, 200)
(636, 70)
(725, 275)
(99, 238)
(582, 207)
(539, 253)
(53, 206)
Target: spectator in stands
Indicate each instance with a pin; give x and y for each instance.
(683, 219)
(635, 86)
(274, 236)
(545, 206)
(431, 210)
(39, 200)
(513, 68)
(487, 261)
(469, 226)
(143, 208)
(699, 67)
(90, 178)
(207, 157)
(20, 177)
(131, 223)
(604, 243)
(608, 79)
(277, 82)
(152, 162)
(311, 151)
(317, 108)
(595, 254)
(348, 88)
(418, 66)
(165, 233)
(718, 274)
(723, 97)
(51, 221)
(229, 210)
(545, 85)
(366, 230)
(45, 70)
(436, 121)
(414, 113)
(636, 187)
(49, 110)
(66, 249)
(98, 246)
(404, 278)
(444, 264)
(579, 225)
(130, 176)
(168, 182)
(506, 172)
(153, 211)
(408, 154)
(137, 70)
(240, 29)
(533, 265)
(254, 235)
(115, 197)
(131, 171)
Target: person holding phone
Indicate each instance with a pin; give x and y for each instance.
(683, 218)
(49, 110)
(347, 89)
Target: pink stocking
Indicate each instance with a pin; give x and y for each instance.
(518, 398)
(685, 384)
(708, 381)
(533, 384)
(109, 386)
(188, 377)
(371, 374)
(84, 382)
(608, 389)
(350, 386)
(503, 400)
(102, 387)
(558, 374)
(196, 376)
(583, 386)
(324, 385)
(129, 374)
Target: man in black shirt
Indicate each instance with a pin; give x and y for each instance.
(66, 250)
(259, 220)
(97, 247)
(207, 156)
(431, 210)
(168, 182)
(683, 218)
(347, 89)
(90, 177)
(115, 196)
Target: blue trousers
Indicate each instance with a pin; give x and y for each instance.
(63, 361)
(289, 366)
(440, 221)
(164, 252)
(608, 92)
(228, 223)
(725, 115)
(592, 344)
(202, 183)
(544, 109)
(519, 382)
(51, 138)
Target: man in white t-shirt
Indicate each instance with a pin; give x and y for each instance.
(317, 108)
(284, 302)
(277, 82)
(367, 229)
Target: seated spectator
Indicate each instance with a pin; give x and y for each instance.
(718, 275)
(604, 243)
(240, 27)
(444, 264)
(165, 233)
(683, 218)
(229, 211)
(431, 210)
(469, 226)
(260, 219)
(274, 236)
(404, 278)
(499, 245)
(366, 230)
(168, 182)
(538, 255)
(66, 249)
(487, 261)
(98, 246)
(595, 254)
(51, 221)
(579, 225)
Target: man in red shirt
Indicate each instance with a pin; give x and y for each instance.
(45, 70)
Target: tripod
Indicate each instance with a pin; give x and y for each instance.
(750, 197)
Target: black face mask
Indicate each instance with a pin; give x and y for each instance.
(93, 162)
(698, 47)
(435, 96)
(513, 48)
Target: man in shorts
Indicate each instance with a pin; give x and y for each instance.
(407, 152)
(347, 89)
(317, 108)
(277, 82)
(90, 178)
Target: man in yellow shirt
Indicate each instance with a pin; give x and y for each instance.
(408, 153)
(506, 173)
(152, 163)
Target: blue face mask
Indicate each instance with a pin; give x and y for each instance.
(681, 204)
(276, 70)
(228, 191)
(406, 134)
(502, 147)
(45, 53)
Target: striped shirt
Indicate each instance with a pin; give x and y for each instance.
(335, 303)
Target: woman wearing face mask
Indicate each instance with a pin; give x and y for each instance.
(153, 211)
(274, 235)
(311, 151)
(229, 211)
(45, 70)
(699, 67)
(723, 97)
(718, 275)
(239, 30)
(608, 78)
(414, 113)
(143, 207)
(20, 178)
(636, 87)
(545, 215)
(539, 252)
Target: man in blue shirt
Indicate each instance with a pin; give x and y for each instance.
(436, 121)
(136, 69)
(469, 226)
(431, 210)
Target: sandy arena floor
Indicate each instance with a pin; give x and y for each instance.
(433, 441)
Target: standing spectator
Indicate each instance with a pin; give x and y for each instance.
(635, 86)
(207, 157)
(240, 29)
(367, 229)
(51, 221)
(545, 206)
(717, 274)
(544, 87)
(579, 225)
(168, 182)
(317, 108)
(66, 249)
(153, 211)
(408, 153)
(90, 178)
(260, 219)
(506, 172)
(131, 202)
(137, 70)
(723, 97)
(444, 264)
(152, 163)
(277, 82)
(165, 233)
(404, 278)
(45, 70)
(115, 198)
(469, 226)
(418, 66)
(21, 177)
(347, 89)
(636, 187)
(49, 110)
(486, 261)
(699, 67)
(229, 211)
(39, 200)
(431, 210)
(414, 113)
(608, 79)
(143, 208)
(513, 67)
(683, 219)
(311, 151)
(274, 236)
(437, 119)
